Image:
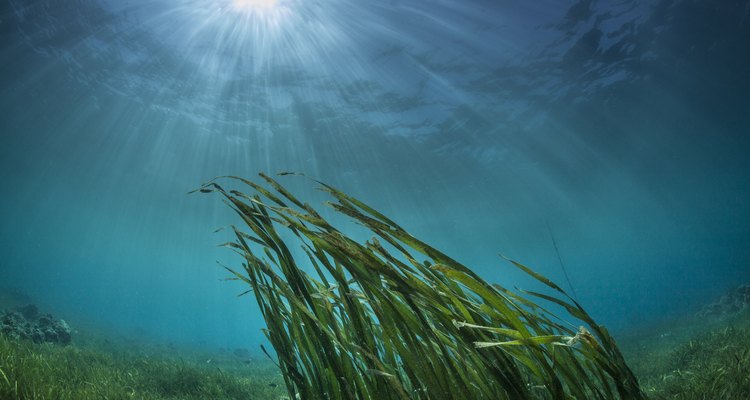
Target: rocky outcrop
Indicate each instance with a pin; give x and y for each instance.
(732, 302)
(28, 323)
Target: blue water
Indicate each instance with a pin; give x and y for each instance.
(624, 125)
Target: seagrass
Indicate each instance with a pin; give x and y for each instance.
(394, 318)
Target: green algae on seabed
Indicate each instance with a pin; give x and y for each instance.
(107, 370)
(374, 322)
(693, 358)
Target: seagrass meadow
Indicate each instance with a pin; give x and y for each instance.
(458, 200)
(393, 318)
(686, 359)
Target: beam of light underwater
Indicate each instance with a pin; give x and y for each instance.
(255, 73)
(236, 39)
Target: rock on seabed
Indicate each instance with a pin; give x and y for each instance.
(28, 323)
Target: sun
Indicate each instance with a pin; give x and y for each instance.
(254, 5)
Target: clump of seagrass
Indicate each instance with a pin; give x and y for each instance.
(372, 322)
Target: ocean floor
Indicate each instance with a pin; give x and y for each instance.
(704, 356)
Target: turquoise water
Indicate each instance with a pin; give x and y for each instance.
(621, 125)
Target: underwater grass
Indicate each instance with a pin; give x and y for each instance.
(695, 358)
(394, 318)
(44, 371)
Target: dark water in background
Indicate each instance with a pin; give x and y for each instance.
(624, 124)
